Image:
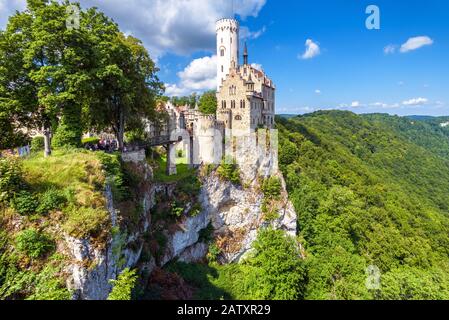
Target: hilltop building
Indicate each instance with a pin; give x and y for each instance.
(245, 103)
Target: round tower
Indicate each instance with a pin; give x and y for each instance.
(227, 47)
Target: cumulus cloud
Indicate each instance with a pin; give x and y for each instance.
(355, 104)
(312, 50)
(416, 43)
(198, 76)
(318, 91)
(415, 102)
(176, 26)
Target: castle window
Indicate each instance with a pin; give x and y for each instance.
(233, 104)
(222, 69)
(238, 118)
(222, 52)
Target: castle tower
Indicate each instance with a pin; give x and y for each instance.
(227, 47)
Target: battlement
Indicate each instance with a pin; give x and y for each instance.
(227, 24)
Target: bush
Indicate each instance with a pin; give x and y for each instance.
(213, 253)
(84, 222)
(92, 140)
(51, 199)
(10, 178)
(34, 243)
(229, 172)
(271, 188)
(124, 285)
(37, 144)
(276, 270)
(24, 203)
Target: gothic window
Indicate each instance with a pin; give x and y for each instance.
(222, 69)
(233, 104)
(224, 104)
(222, 52)
(238, 118)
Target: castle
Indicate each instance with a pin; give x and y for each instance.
(245, 103)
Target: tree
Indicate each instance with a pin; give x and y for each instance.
(123, 286)
(276, 270)
(127, 86)
(208, 103)
(54, 78)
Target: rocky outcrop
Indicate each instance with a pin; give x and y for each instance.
(236, 215)
(92, 267)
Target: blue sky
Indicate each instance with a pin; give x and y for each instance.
(351, 72)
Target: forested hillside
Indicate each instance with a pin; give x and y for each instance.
(370, 191)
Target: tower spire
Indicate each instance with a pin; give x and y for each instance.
(245, 55)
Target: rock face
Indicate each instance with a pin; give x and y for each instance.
(236, 215)
(93, 267)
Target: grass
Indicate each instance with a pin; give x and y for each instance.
(80, 175)
(182, 169)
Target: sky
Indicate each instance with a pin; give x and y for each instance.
(320, 54)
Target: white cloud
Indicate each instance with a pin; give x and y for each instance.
(379, 104)
(391, 48)
(416, 43)
(355, 104)
(175, 26)
(312, 50)
(257, 66)
(318, 91)
(199, 75)
(415, 102)
(245, 33)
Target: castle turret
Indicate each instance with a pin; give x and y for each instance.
(227, 48)
(245, 56)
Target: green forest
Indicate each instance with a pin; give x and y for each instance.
(369, 190)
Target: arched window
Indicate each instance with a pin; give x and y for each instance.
(222, 69)
(222, 52)
(238, 118)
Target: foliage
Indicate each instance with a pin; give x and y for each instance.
(208, 103)
(34, 243)
(91, 140)
(10, 178)
(213, 252)
(51, 199)
(276, 268)
(370, 190)
(229, 172)
(37, 144)
(274, 271)
(24, 202)
(85, 222)
(271, 187)
(124, 285)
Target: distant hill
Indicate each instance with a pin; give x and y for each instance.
(370, 191)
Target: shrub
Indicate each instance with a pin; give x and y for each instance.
(51, 199)
(91, 140)
(176, 210)
(214, 252)
(24, 203)
(276, 268)
(34, 243)
(206, 234)
(84, 222)
(229, 172)
(37, 144)
(124, 285)
(271, 188)
(196, 210)
(10, 178)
